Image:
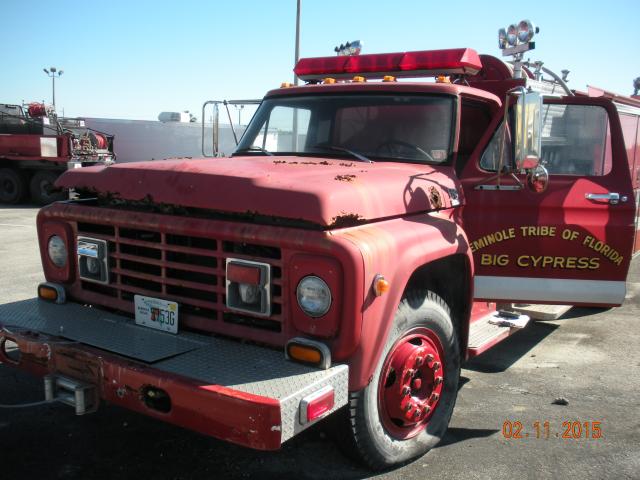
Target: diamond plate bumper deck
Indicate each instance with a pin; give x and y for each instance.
(241, 393)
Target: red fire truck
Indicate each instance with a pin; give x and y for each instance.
(345, 260)
(36, 147)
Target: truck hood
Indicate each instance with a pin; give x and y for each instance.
(326, 192)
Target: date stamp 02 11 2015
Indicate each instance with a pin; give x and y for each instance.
(570, 430)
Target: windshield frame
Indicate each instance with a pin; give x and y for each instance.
(263, 113)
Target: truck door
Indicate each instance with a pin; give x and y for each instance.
(570, 244)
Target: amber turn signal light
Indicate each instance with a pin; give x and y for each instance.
(380, 285)
(51, 292)
(308, 351)
(305, 354)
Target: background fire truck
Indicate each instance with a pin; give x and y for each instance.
(36, 147)
(345, 260)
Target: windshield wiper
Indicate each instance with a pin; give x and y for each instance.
(337, 148)
(254, 149)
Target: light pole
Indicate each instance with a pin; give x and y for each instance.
(52, 73)
(294, 133)
(297, 54)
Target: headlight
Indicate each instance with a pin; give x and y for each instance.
(57, 251)
(314, 296)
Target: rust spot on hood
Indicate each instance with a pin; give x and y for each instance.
(345, 178)
(435, 198)
(346, 220)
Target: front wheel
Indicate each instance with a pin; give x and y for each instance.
(405, 410)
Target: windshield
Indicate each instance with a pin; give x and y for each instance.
(414, 128)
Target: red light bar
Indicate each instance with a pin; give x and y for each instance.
(321, 66)
(425, 63)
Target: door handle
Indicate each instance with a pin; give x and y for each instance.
(612, 197)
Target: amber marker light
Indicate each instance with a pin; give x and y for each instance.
(380, 285)
(329, 81)
(308, 351)
(286, 85)
(388, 78)
(305, 354)
(358, 79)
(47, 293)
(51, 292)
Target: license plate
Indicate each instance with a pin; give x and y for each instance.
(156, 313)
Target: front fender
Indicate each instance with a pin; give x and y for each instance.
(396, 249)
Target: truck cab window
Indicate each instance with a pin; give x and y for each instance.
(474, 120)
(490, 160)
(278, 133)
(576, 140)
(404, 128)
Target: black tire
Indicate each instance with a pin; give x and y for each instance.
(13, 186)
(42, 188)
(373, 443)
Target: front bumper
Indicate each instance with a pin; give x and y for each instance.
(245, 394)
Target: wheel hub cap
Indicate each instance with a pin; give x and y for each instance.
(411, 383)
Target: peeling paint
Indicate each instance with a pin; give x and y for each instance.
(346, 220)
(345, 178)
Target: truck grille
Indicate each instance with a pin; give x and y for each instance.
(187, 269)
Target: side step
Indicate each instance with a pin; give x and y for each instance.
(492, 329)
(81, 396)
(541, 312)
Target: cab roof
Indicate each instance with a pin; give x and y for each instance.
(390, 87)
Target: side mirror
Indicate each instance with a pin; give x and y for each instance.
(528, 129)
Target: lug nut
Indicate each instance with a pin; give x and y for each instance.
(426, 409)
(407, 407)
(416, 414)
(406, 390)
(437, 380)
(429, 358)
(435, 396)
(419, 361)
(436, 366)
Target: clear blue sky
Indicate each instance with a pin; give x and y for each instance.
(133, 59)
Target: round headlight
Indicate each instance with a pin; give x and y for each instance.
(314, 296)
(57, 251)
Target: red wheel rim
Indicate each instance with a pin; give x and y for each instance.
(411, 383)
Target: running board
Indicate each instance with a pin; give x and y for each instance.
(541, 312)
(492, 329)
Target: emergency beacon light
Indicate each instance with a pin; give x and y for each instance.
(424, 63)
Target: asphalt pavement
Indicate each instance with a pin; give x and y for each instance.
(509, 423)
